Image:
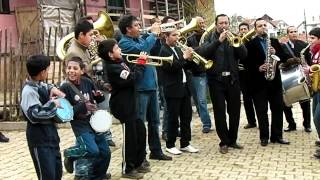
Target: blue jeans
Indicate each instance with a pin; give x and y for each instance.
(96, 162)
(148, 110)
(316, 111)
(199, 94)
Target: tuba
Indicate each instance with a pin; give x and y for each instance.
(206, 33)
(103, 25)
(151, 60)
(192, 26)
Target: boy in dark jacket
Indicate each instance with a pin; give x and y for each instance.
(82, 94)
(39, 109)
(123, 107)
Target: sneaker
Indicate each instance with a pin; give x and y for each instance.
(111, 143)
(68, 164)
(189, 149)
(134, 174)
(173, 151)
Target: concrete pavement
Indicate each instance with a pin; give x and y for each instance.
(294, 161)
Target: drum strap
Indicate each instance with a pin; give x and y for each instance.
(76, 90)
(290, 50)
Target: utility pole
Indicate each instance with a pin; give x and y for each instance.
(305, 24)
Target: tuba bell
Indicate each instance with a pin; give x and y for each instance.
(103, 25)
(192, 26)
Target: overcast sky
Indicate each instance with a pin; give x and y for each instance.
(291, 11)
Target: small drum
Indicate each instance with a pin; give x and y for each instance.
(101, 121)
(65, 113)
(294, 85)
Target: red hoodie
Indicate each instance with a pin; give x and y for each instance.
(315, 52)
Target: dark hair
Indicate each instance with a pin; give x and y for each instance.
(255, 22)
(77, 60)
(220, 15)
(84, 27)
(85, 18)
(117, 35)
(166, 18)
(126, 21)
(315, 32)
(288, 28)
(105, 47)
(244, 24)
(36, 64)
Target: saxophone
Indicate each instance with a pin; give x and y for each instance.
(314, 75)
(271, 61)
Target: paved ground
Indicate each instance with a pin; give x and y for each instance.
(253, 162)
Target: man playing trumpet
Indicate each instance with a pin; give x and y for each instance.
(147, 98)
(176, 93)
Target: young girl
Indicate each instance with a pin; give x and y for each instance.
(82, 94)
(123, 107)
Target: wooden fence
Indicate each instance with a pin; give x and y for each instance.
(13, 66)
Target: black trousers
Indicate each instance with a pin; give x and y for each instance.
(179, 108)
(274, 98)
(247, 98)
(306, 112)
(47, 162)
(134, 145)
(225, 95)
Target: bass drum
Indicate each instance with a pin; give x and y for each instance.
(294, 85)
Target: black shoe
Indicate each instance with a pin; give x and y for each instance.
(111, 143)
(280, 141)
(248, 126)
(223, 149)
(206, 130)
(160, 157)
(264, 142)
(164, 136)
(317, 155)
(317, 143)
(236, 146)
(143, 169)
(308, 130)
(134, 174)
(68, 164)
(288, 129)
(3, 138)
(107, 176)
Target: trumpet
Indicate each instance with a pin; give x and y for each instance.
(151, 60)
(234, 41)
(165, 27)
(196, 57)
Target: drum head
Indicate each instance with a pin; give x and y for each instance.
(64, 114)
(101, 121)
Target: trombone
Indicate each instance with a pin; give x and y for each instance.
(151, 60)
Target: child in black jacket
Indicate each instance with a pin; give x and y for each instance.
(123, 107)
(82, 94)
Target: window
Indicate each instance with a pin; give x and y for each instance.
(4, 7)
